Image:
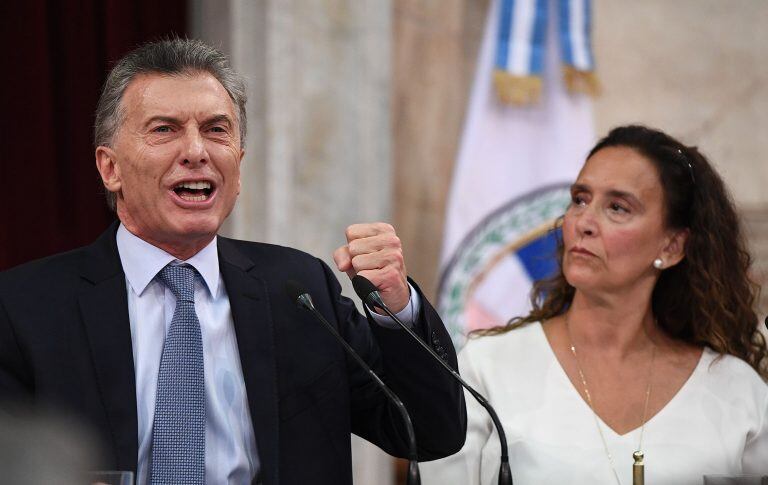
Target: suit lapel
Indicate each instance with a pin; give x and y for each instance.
(104, 305)
(255, 340)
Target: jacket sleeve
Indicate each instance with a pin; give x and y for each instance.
(433, 399)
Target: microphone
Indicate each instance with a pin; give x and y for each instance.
(298, 294)
(368, 292)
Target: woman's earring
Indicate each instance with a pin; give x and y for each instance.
(658, 263)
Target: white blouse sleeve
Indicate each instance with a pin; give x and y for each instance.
(463, 467)
(755, 458)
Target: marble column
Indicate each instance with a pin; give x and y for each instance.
(434, 54)
(318, 153)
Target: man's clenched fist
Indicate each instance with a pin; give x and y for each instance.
(374, 251)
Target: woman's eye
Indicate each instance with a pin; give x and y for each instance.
(578, 200)
(615, 207)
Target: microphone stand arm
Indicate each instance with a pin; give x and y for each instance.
(413, 476)
(505, 472)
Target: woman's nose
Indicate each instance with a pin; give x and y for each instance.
(586, 222)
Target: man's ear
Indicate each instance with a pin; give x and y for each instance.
(106, 164)
(674, 249)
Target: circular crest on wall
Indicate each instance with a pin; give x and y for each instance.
(488, 280)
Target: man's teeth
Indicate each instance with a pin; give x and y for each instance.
(194, 198)
(193, 191)
(194, 185)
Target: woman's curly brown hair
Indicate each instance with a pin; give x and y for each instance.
(706, 299)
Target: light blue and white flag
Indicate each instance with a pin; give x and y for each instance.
(521, 47)
(510, 183)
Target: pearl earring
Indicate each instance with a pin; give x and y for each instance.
(658, 263)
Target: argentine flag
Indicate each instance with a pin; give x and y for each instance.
(514, 168)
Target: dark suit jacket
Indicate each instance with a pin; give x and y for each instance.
(65, 341)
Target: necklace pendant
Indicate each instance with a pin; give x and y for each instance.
(638, 469)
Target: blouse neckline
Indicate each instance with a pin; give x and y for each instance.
(707, 355)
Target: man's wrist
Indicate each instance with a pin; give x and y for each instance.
(407, 315)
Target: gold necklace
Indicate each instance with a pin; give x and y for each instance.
(638, 471)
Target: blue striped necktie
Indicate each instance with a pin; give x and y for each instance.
(178, 435)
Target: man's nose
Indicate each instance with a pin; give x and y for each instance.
(194, 153)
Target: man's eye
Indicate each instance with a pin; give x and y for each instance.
(162, 129)
(578, 200)
(218, 129)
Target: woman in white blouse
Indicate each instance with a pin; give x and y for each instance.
(645, 342)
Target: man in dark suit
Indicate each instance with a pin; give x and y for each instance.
(180, 347)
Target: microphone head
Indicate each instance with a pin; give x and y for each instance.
(363, 287)
(295, 290)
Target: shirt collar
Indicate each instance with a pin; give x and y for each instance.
(142, 261)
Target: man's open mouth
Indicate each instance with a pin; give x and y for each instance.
(194, 191)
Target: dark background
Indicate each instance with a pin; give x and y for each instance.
(55, 57)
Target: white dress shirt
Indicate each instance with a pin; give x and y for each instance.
(716, 424)
(230, 446)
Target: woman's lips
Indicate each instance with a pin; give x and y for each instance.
(579, 250)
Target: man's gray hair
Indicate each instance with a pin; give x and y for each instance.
(173, 56)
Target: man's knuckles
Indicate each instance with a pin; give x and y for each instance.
(371, 245)
(358, 231)
(390, 240)
(357, 247)
(383, 227)
(396, 259)
(364, 262)
(379, 260)
(342, 258)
